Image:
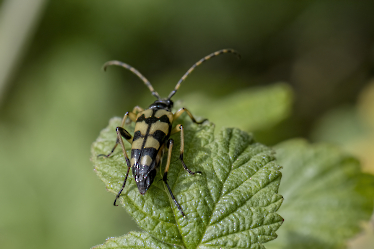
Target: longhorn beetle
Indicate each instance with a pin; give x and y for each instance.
(153, 128)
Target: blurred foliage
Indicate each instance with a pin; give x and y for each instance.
(252, 109)
(352, 128)
(58, 99)
(325, 193)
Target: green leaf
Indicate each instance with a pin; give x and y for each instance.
(231, 205)
(134, 240)
(342, 126)
(255, 108)
(326, 196)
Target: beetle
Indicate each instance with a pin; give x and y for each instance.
(153, 127)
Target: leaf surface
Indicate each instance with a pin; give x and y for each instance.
(232, 204)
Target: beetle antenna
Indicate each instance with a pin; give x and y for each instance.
(127, 66)
(223, 51)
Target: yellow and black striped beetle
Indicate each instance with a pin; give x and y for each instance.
(153, 128)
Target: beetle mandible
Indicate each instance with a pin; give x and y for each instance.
(153, 127)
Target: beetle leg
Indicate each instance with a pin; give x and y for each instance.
(179, 128)
(123, 186)
(123, 133)
(137, 109)
(132, 115)
(170, 144)
(180, 111)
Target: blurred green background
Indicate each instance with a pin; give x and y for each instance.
(55, 99)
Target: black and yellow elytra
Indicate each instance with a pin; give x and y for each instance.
(153, 128)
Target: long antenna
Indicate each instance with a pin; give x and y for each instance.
(223, 51)
(127, 66)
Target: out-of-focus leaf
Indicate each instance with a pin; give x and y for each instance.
(365, 239)
(326, 196)
(352, 128)
(232, 204)
(251, 110)
(341, 126)
(366, 104)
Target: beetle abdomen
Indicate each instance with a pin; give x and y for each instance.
(152, 129)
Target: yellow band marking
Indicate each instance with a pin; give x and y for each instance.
(137, 144)
(159, 126)
(142, 127)
(161, 113)
(133, 161)
(146, 160)
(151, 142)
(147, 113)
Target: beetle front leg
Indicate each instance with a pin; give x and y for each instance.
(179, 128)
